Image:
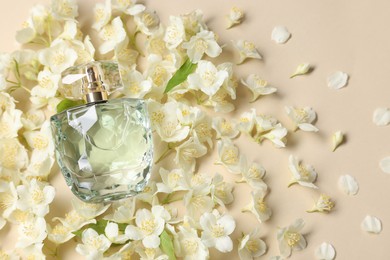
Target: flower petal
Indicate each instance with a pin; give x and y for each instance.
(280, 34)
(384, 164)
(348, 185)
(337, 80)
(381, 116)
(371, 224)
(325, 252)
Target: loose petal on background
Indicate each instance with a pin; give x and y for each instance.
(325, 252)
(337, 80)
(371, 224)
(381, 116)
(348, 184)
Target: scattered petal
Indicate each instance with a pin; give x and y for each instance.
(385, 165)
(371, 224)
(280, 34)
(337, 139)
(381, 116)
(348, 184)
(325, 252)
(235, 17)
(337, 80)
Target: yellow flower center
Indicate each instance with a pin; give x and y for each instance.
(60, 230)
(203, 131)
(149, 20)
(305, 174)
(226, 127)
(157, 117)
(9, 155)
(37, 196)
(190, 246)
(230, 156)
(95, 242)
(29, 230)
(253, 246)
(254, 173)
(261, 82)
(147, 189)
(249, 46)
(208, 77)
(292, 238)
(134, 88)
(99, 14)
(66, 9)
(73, 218)
(301, 115)
(158, 76)
(173, 177)
(185, 112)
(261, 205)
(108, 32)
(244, 119)
(58, 58)
(218, 231)
(157, 45)
(45, 83)
(40, 142)
(148, 226)
(201, 45)
(6, 200)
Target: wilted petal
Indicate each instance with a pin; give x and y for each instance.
(371, 224)
(348, 185)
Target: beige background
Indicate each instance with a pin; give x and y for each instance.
(351, 36)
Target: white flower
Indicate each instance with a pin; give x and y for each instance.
(247, 121)
(381, 116)
(102, 15)
(188, 245)
(112, 233)
(290, 238)
(89, 210)
(207, 78)
(65, 9)
(246, 50)
(325, 252)
(8, 199)
(39, 166)
(197, 200)
(269, 128)
(257, 86)
(348, 185)
(94, 245)
(33, 119)
(324, 204)
(9, 255)
(337, 80)
(31, 231)
(123, 211)
(302, 69)
(302, 118)
(34, 252)
(7, 102)
(188, 152)
(41, 141)
(224, 128)
(235, 17)
(253, 175)
(74, 221)
(113, 35)
(135, 85)
(221, 191)
(304, 175)
(229, 156)
(2, 223)
(337, 139)
(371, 224)
(151, 254)
(70, 31)
(10, 123)
(13, 156)
(251, 246)
(174, 34)
(47, 84)
(174, 180)
(129, 6)
(203, 42)
(202, 129)
(58, 57)
(60, 234)
(188, 115)
(280, 34)
(148, 195)
(35, 196)
(216, 229)
(258, 206)
(384, 164)
(150, 224)
(165, 121)
(147, 22)
(220, 101)
(193, 22)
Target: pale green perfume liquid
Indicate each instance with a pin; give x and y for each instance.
(104, 149)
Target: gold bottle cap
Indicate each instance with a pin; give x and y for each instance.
(93, 87)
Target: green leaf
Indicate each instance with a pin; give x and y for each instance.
(180, 75)
(67, 103)
(167, 245)
(99, 227)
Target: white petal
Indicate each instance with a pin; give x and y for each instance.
(280, 34)
(337, 80)
(381, 116)
(308, 127)
(348, 185)
(325, 252)
(385, 164)
(371, 224)
(337, 139)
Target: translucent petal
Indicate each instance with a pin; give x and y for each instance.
(337, 80)
(384, 164)
(325, 252)
(280, 34)
(381, 116)
(348, 185)
(371, 224)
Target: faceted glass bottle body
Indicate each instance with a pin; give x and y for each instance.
(104, 149)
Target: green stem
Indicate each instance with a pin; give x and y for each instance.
(168, 199)
(291, 184)
(164, 154)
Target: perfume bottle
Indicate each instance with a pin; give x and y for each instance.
(104, 148)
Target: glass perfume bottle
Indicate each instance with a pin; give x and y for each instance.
(104, 148)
